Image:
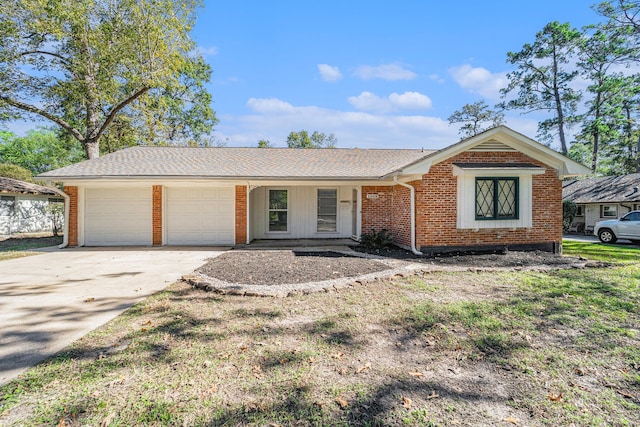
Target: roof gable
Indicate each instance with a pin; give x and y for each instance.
(502, 139)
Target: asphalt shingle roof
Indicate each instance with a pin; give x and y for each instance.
(10, 185)
(607, 189)
(230, 162)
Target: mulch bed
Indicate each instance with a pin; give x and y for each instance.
(276, 267)
(29, 240)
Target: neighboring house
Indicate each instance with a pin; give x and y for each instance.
(24, 207)
(602, 198)
(497, 189)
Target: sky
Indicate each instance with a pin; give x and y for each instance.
(377, 74)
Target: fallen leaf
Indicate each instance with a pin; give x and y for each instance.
(364, 368)
(338, 355)
(257, 371)
(312, 359)
(89, 300)
(511, 420)
(62, 423)
(554, 397)
(144, 329)
(148, 323)
(433, 395)
(406, 402)
(416, 374)
(275, 425)
(342, 403)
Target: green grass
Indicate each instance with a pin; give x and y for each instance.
(601, 251)
(495, 348)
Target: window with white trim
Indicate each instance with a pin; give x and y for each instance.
(496, 198)
(327, 220)
(278, 210)
(580, 210)
(608, 211)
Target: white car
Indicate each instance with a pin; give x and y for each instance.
(627, 227)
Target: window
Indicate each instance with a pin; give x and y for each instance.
(580, 210)
(496, 198)
(7, 205)
(633, 216)
(608, 211)
(327, 210)
(278, 210)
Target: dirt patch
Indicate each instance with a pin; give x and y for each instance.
(277, 267)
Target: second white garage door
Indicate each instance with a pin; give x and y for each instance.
(200, 216)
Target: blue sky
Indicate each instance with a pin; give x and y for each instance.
(377, 74)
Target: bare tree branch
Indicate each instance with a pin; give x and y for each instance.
(119, 107)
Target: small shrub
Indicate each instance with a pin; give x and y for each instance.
(376, 239)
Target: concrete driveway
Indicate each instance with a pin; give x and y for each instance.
(49, 300)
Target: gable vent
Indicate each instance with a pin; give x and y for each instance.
(492, 145)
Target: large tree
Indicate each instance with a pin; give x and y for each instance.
(600, 52)
(543, 79)
(317, 139)
(39, 151)
(475, 118)
(94, 67)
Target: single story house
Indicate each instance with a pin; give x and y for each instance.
(601, 198)
(498, 188)
(25, 207)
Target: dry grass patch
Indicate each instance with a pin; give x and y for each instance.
(481, 349)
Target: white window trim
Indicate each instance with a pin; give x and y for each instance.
(337, 190)
(288, 230)
(578, 213)
(602, 215)
(466, 199)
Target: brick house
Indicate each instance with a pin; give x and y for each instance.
(498, 188)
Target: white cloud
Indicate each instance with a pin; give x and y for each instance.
(436, 78)
(384, 72)
(410, 101)
(329, 73)
(269, 105)
(368, 101)
(206, 51)
(274, 119)
(479, 80)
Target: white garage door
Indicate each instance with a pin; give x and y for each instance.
(200, 216)
(115, 217)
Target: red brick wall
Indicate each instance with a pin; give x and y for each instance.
(157, 215)
(436, 206)
(72, 238)
(436, 200)
(241, 214)
(376, 212)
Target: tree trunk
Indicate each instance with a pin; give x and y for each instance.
(92, 148)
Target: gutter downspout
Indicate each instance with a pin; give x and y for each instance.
(65, 236)
(413, 214)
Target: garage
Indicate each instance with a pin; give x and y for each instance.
(117, 216)
(200, 216)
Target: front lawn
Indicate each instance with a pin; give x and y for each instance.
(473, 349)
(17, 246)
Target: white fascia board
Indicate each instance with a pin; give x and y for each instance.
(211, 182)
(497, 171)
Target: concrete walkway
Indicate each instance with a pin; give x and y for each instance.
(49, 300)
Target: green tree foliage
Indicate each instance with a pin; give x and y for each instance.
(604, 120)
(16, 172)
(40, 151)
(475, 118)
(116, 70)
(543, 79)
(317, 139)
(264, 143)
(569, 211)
